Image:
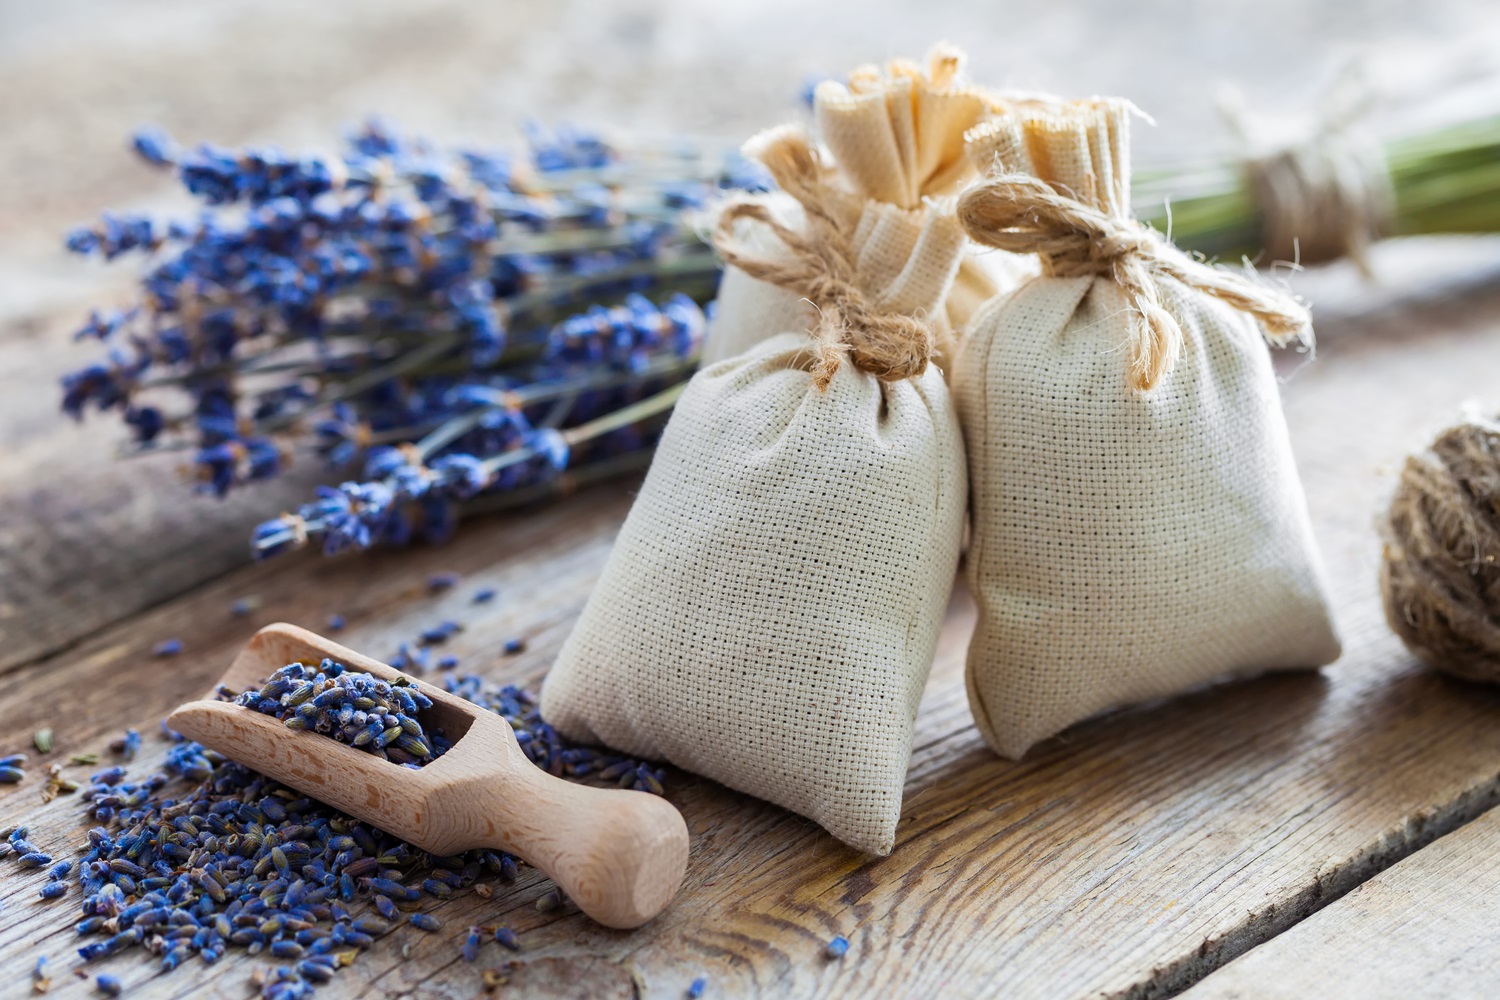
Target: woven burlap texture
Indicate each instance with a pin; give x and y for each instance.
(897, 136)
(770, 610)
(1128, 543)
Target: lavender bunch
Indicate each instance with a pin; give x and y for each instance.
(453, 323)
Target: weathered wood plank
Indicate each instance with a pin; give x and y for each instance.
(1127, 858)
(1425, 927)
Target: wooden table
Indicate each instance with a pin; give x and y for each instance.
(1320, 834)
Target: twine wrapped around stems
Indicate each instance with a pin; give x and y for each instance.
(890, 345)
(1023, 214)
(1440, 575)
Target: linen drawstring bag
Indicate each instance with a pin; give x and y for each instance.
(1139, 527)
(768, 615)
(896, 137)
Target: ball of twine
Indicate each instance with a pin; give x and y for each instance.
(1441, 571)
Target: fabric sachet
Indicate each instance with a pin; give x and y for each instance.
(896, 136)
(1138, 524)
(770, 610)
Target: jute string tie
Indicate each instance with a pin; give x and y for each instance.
(1440, 574)
(821, 266)
(1326, 193)
(1023, 214)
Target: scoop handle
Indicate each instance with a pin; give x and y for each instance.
(619, 855)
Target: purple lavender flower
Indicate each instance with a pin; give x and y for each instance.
(452, 320)
(154, 146)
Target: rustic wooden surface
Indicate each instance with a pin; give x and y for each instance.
(1423, 927)
(1130, 857)
(1127, 858)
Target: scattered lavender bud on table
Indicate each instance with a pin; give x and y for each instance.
(439, 582)
(53, 890)
(11, 775)
(549, 901)
(837, 947)
(507, 938)
(425, 922)
(484, 596)
(696, 988)
(514, 646)
(13, 760)
(167, 647)
(470, 948)
(440, 633)
(41, 980)
(128, 745)
(447, 662)
(243, 606)
(336, 623)
(108, 985)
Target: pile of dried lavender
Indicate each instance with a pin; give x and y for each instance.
(353, 707)
(204, 854)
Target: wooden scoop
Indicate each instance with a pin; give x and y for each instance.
(620, 855)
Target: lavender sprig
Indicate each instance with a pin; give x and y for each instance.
(385, 301)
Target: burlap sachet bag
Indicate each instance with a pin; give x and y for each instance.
(770, 610)
(896, 136)
(1139, 527)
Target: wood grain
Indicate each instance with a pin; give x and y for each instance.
(1425, 927)
(1129, 857)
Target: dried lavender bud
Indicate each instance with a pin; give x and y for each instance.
(514, 646)
(440, 633)
(506, 938)
(439, 582)
(11, 775)
(549, 901)
(484, 596)
(13, 760)
(837, 947)
(128, 745)
(108, 985)
(425, 922)
(167, 647)
(53, 890)
(336, 623)
(696, 988)
(470, 948)
(331, 699)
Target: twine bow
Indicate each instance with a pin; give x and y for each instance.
(820, 265)
(1022, 214)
